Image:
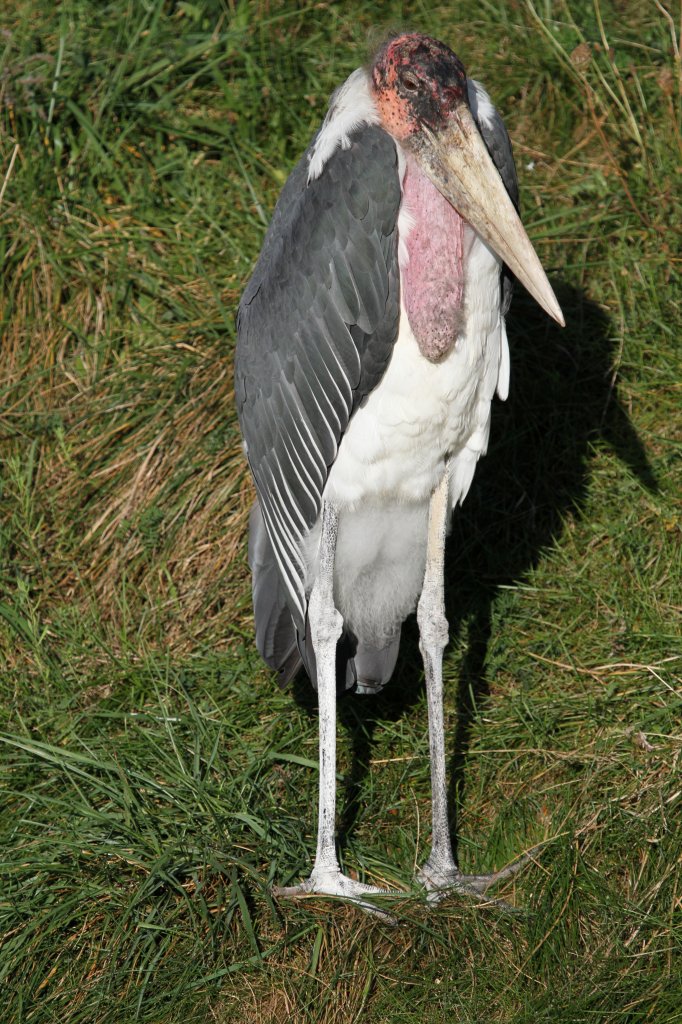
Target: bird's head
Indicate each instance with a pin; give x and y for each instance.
(417, 81)
(419, 87)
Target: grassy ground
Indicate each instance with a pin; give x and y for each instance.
(154, 780)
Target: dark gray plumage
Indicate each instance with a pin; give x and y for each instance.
(316, 325)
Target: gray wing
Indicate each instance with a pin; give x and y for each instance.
(275, 633)
(497, 141)
(316, 328)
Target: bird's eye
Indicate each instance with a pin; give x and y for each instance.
(410, 83)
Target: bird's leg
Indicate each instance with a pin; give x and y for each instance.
(440, 874)
(433, 636)
(326, 625)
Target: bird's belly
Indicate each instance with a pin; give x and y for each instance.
(379, 567)
(422, 417)
(395, 447)
(392, 456)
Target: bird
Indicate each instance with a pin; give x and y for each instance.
(371, 340)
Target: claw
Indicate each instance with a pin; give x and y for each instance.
(440, 880)
(335, 883)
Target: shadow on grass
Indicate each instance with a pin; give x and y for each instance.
(563, 402)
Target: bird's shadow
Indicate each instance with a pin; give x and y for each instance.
(563, 403)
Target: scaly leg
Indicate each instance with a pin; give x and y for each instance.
(440, 874)
(326, 626)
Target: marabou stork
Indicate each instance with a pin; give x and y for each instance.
(371, 339)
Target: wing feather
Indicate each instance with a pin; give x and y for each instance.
(316, 329)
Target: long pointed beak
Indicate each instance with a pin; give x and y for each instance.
(459, 165)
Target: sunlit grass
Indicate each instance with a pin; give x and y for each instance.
(155, 781)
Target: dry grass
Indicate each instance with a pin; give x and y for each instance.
(155, 781)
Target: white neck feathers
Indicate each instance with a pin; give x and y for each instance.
(350, 107)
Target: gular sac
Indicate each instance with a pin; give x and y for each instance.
(433, 280)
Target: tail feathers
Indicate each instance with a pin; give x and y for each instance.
(374, 666)
(359, 666)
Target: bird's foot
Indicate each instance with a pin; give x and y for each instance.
(332, 882)
(442, 878)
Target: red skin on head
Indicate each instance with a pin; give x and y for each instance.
(416, 80)
(395, 113)
(394, 110)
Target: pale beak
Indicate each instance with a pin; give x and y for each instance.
(459, 165)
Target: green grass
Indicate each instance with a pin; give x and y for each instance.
(155, 782)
